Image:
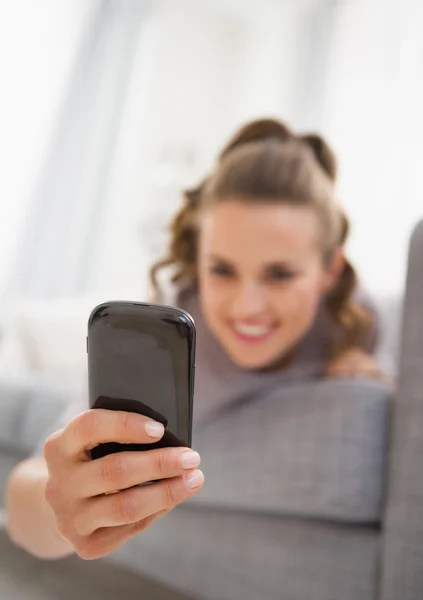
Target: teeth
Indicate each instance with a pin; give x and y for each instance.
(251, 330)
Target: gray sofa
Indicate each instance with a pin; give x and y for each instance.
(331, 506)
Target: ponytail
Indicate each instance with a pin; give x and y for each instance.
(323, 153)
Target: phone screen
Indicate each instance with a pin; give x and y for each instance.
(141, 362)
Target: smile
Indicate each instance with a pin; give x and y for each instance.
(247, 332)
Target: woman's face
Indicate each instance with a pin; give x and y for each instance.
(261, 277)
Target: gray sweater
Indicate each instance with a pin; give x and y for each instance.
(220, 383)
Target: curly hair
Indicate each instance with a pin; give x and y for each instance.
(266, 162)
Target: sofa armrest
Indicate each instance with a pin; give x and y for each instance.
(314, 449)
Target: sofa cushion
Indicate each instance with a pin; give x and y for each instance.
(316, 450)
(211, 555)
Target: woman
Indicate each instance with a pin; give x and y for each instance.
(257, 257)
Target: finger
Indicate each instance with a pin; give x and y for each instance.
(137, 503)
(371, 373)
(378, 375)
(98, 426)
(334, 370)
(341, 372)
(126, 469)
(341, 375)
(105, 541)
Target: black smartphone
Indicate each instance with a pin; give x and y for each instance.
(141, 358)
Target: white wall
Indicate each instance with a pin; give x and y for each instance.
(373, 115)
(268, 65)
(38, 42)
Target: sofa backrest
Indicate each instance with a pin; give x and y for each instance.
(402, 558)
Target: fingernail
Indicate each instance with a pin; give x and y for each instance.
(154, 429)
(194, 479)
(190, 459)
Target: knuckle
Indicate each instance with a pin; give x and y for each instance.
(86, 425)
(130, 425)
(86, 549)
(53, 491)
(114, 470)
(71, 522)
(161, 463)
(171, 495)
(66, 527)
(51, 446)
(124, 507)
(127, 424)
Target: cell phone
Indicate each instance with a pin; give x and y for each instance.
(141, 358)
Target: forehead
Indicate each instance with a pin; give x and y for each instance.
(259, 232)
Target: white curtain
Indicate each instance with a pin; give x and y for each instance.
(60, 245)
(373, 116)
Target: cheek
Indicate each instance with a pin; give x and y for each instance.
(297, 302)
(213, 296)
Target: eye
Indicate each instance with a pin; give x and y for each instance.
(279, 273)
(222, 270)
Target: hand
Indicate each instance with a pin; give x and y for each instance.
(355, 362)
(89, 515)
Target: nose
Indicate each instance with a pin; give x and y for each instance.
(249, 301)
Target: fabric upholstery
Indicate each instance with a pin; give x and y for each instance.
(316, 450)
(223, 555)
(402, 572)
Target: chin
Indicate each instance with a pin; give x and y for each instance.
(245, 360)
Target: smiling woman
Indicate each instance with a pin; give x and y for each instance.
(260, 277)
(260, 243)
(257, 254)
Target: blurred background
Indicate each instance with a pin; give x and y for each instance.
(108, 108)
